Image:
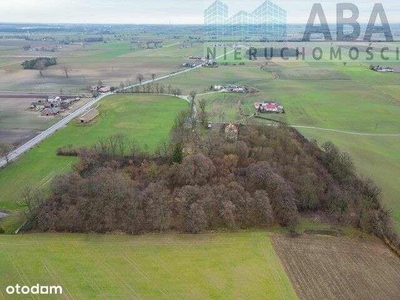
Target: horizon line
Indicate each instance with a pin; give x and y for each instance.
(145, 24)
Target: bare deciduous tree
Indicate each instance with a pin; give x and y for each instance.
(192, 97)
(122, 87)
(140, 78)
(203, 116)
(40, 65)
(31, 199)
(5, 149)
(66, 69)
(196, 220)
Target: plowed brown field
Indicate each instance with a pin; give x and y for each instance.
(322, 267)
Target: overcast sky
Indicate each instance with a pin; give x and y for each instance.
(163, 11)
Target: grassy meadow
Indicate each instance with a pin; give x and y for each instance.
(209, 266)
(147, 119)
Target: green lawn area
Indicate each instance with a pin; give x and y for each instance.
(209, 266)
(146, 119)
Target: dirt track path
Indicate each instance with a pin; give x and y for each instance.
(346, 132)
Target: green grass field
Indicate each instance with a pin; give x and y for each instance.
(209, 266)
(143, 118)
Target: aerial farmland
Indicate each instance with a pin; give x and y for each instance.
(165, 162)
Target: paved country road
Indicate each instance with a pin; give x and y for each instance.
(48, 132)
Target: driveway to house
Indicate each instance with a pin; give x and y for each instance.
(48, 132)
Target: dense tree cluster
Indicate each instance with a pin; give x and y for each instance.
(94, 39)
(154, 87)
(202, 181)
(39, 63)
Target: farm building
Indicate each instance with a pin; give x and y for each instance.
(56, 99)
(51, 111)
(89, 115)
(232, 88)
(39, 105)
(100, 89)
(94, 88)
(269, 107)
(188, 65)
(104, 89)
(210, 63)
(195, 57)
(381, 69)
(53, 102)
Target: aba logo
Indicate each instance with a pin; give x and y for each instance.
(341, 21)
(266, 19)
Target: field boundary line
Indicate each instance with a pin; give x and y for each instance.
(346, 132)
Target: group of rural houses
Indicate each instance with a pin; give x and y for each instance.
(102, 89)
(231, 88)
(269, 107)
(52, 106)
(188, 65)
(204, 63)
(382, 69)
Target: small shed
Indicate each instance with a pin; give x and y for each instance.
(52, 111)
(89, 116)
